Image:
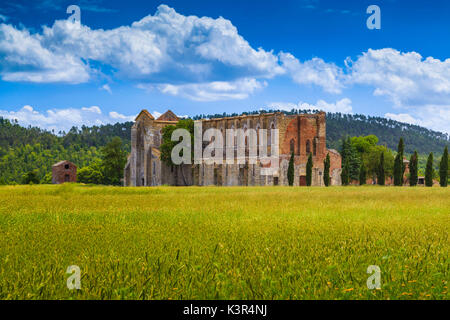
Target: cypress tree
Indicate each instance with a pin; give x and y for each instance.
(381, 176)
(398, 163)
(345, 174)
(362, 174)
(429, 171)
(443, 168)
(401, 149)
(326, 171)
(413, 169)
(290, 172)
(399, 167)
(309, 166)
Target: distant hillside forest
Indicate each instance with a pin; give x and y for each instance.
(388, 131)
(26, 149)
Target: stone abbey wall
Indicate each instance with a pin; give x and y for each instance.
(301, 134)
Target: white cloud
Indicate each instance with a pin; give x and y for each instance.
(213, 91)
(93, 109)
(106, 88)
(314, 71)
(23, 58)
(406, 78)
(63, 119)
(156, 114)
(167, 45)
(402, 117)
(343, 106)
(436, 117)
(183, 55)
(120, 117)
(418, 87)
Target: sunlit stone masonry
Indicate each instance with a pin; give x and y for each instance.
(301, 134)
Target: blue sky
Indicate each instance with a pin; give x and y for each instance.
(204, 56)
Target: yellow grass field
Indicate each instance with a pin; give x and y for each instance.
(224, 243)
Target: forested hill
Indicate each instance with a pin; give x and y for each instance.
(338, 125)
(12, 135)
(388, 132)
(25, 149)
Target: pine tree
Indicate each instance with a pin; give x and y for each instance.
(443, 168)
(326, 171)
(362, 174)
(381, 176)
(309, 166)
(429, 171)
(290, 172)
(413, 169)
(345, 174)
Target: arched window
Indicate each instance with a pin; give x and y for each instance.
(314, 146)
(234, 136)
(292, 145)
(246, 137)
(308, 147)
(272, 127)
(258, 127)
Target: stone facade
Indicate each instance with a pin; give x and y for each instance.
(302, 134)
(64, 171)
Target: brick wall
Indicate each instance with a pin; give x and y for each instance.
(64, 172)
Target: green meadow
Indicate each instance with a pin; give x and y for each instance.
(224, 243)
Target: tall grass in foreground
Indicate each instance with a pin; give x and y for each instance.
(224, 243)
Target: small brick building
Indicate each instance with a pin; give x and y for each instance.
(64, 171)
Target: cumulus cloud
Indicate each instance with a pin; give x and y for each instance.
(165, 47)
(187, 55)
(64, 119)
(24, 58)
(344, 106)
(315, 71)
(406, 78)
(436, 117)
(213, 91)
(418, 87)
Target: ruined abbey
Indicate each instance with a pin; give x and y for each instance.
(301, 134)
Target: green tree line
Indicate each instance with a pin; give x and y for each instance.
(23, 150)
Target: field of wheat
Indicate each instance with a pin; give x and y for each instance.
(224, 243)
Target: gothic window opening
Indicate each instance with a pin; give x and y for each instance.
(308, 147)
(292, 146)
